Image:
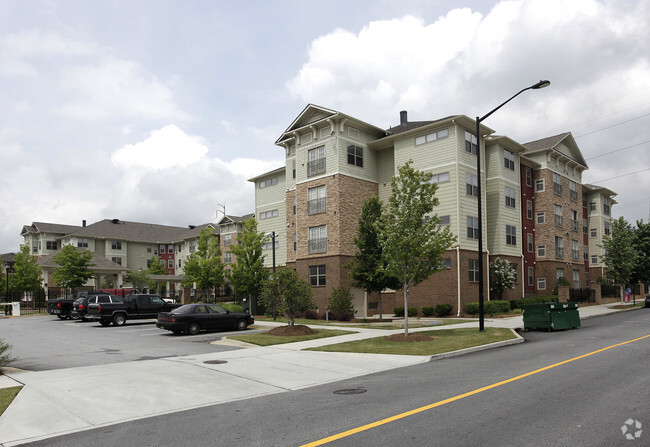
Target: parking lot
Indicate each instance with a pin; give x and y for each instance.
(46, 342)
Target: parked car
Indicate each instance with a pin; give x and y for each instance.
(128, 308)
(647, 301)
(80, 306)
(64, 307)
(193, 318)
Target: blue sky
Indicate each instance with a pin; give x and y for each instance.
(158, 111)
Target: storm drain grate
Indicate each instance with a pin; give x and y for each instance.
(215, 362)
(351, 391)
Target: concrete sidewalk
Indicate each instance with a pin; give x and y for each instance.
(62, 401)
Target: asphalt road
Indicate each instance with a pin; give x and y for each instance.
(575, 387)
(46, 342)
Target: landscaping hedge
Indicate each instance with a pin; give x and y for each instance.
(489, 307)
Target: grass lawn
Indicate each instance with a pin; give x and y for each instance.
(264, 339)
(445, 340)
(413, 322)
(6, 396)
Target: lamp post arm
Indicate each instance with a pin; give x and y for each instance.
(503, 104)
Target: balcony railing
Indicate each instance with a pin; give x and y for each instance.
(316, 206)
(316, 167)
(317, 246)
(574, 225)
(559, 253)
(575, 255)
(574, 195)
(558, 221)
(557, 188)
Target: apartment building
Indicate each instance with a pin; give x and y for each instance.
(335, 161)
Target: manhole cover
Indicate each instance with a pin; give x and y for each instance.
(351, 391)
(215, 362)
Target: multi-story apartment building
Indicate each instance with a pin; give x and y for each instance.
(532, 206)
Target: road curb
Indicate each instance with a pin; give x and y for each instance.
(497, 344)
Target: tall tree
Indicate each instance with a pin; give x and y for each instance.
(205, 267)
(248, 272)
(28, 273)
(642, 245)
(503, 277)
(412, 238)
(620, 252)
(286, 293)
(75, 267)
(367, 265)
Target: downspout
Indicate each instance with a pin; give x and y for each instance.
(524, 279)
(458, 277)
(487, 283)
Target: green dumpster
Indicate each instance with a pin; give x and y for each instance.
(551, 316)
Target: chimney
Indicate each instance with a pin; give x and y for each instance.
(83, 223)
(403, 119)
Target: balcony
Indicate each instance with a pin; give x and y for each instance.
(317, 246)
(317, 206)
(558, 221)
(316, 167)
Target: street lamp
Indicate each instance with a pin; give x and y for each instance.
(481, 313)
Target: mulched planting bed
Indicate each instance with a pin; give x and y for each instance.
(288, 331)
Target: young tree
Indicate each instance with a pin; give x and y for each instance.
(205, 267)
(620, 252)
(155, 267)
(285, 292)
(642, 245)
(75, 267)
(412, 239)
(28, 273)
(139, 279)
(503, 277)
(248, 273)
(367, 265)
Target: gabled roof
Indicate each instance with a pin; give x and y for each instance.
(44, 227)
(131, 231)
(234, 219)
(410, 125)
(551, 144)
(601, 189)
(279, 170)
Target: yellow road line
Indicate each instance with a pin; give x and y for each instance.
(455, 398)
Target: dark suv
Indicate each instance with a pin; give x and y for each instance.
(80, 306)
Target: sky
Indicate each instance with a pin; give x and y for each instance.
(160, 111)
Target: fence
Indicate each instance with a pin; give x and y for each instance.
(610, 291)
(585, 295)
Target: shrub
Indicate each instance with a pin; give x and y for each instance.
(413, 311)
(427, 311)
(5, 357)
(517, 304)
(340, 304)
(232, 307)
(489, 307)
(472, 308)
(398, 311)
(311, 314)
(442, 310)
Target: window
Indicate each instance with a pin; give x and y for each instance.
(163, 262)
(471, 185)
(473, 270)
(594, 259)
(318, 239)
(472, 227)
(529, 209)
(585, 226)
(557, 209)
(559, 249)
(470, 143)
(541, 217)
(316, 200)
(149, 249)
(557, 184)
(294, 204)
(586, 254)
(170, 248)
(510, 197)
(445, 264)
(316, 161)
(50, 245)
(576, 279)
(531, 276)
(161, 248)
(592, 206)
(606, 206)
(509, 159)
(317, 275)
(269, 245)
(575, 251)
(117, 260)
(606, 229)
(594, 232)
(227, 240)
(573, 190)
(445, 220)
(529, 178)
(269, 182)
(148, 263)
(170, 263)
(295, 241)
(559, 273)
(511, 235)
(179, 263)
(440, 178)
(82, 242)
(444, 133)
(539, 185)
(541, 283)
(574, 220)
(293, 168)
(192, 247)
(355, 156)
(530, 244)
(117, 245)
(268, 214)
(541, 251)
(227, 257)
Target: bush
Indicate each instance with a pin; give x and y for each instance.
(340, 304)
(311, 314)
(398, 311)
(427, 311)
(442, 310)
(517, 304)
(5, 357)
(489, 307)
(232, 307)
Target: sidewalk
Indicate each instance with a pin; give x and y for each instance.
(53, 403)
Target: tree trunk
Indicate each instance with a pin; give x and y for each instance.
(406, 311)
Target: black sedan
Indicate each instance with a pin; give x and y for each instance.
(193, 318)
